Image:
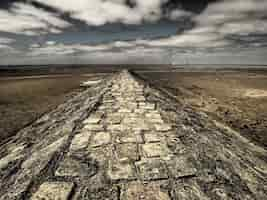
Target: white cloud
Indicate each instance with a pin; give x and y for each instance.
(28, 20)
(98, 12)
(53, 48)
(4, 40)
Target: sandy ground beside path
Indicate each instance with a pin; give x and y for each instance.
(23, 99)
(237, 98)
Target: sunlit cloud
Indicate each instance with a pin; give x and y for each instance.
(28, 20)
(98, 12)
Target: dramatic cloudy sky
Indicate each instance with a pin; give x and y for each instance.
(133, 31)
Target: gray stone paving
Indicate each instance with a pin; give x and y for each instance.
(127, 140)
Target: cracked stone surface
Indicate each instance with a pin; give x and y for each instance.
(127, 139)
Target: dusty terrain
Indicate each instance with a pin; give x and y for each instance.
(128, 139)
(237, 98)
(25, 98)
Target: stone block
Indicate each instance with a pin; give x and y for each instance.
(181, 166)
(150, 191)
(53, 191)
(153, 137)
(94, 127)
(131, 138)
(80, 141)
(163, 127)
(155, 149)
(118, 171)
(152, 169)
(70, 167)
(100, 139)
(127, 152)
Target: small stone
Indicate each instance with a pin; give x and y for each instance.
(73, 168)
(92, 120)
(152, 169)
(94, 127)
(138, 190)
(53, 191)
(163, 127)
(100, 155)
(127, 152)
(152, 137)
(124, 111)
(139, 111)
(181, 166)
(147, 106)
(116, 127)
(80, 141)
(141, 126)
(114, 119)
(100, 139)
(131, 138)
(121, 171)
(155, 150)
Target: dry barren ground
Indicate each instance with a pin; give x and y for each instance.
(236, 98)
(23, 99)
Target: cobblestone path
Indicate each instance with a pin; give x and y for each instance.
(127, 140)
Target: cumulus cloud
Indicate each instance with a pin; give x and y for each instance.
(218, 22)
(235, 16)
(99, 12)
(53, 48)
(4, 40)
(28, 20)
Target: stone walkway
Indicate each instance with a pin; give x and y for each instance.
(130, 141)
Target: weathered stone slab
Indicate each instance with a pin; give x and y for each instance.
(53, 191)
(114, 119)
(100, 155)
(121, 171)
(190, 190)
(141, 126)
(139, 111)
(100, 139)
(147, 106)
(101, 193)
(132, 137)
(127, 152)
(94, 127)
(9, 159)
(149, 191)
(70, 167)
(117, 127)
(181, 166)
(153, 137)
(124, 110)
(152, 169)
(163, 127)
(80, 141)
(38, 160)
(155, 149)
(92, 119)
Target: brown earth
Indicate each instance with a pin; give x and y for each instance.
(24, 99)
(236, 98)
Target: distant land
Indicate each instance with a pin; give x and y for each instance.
(18, 70)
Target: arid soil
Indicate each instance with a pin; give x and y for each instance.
(24, 99)
(236, 98)
(128, 139)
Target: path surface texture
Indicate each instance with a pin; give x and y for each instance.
(125, 139)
